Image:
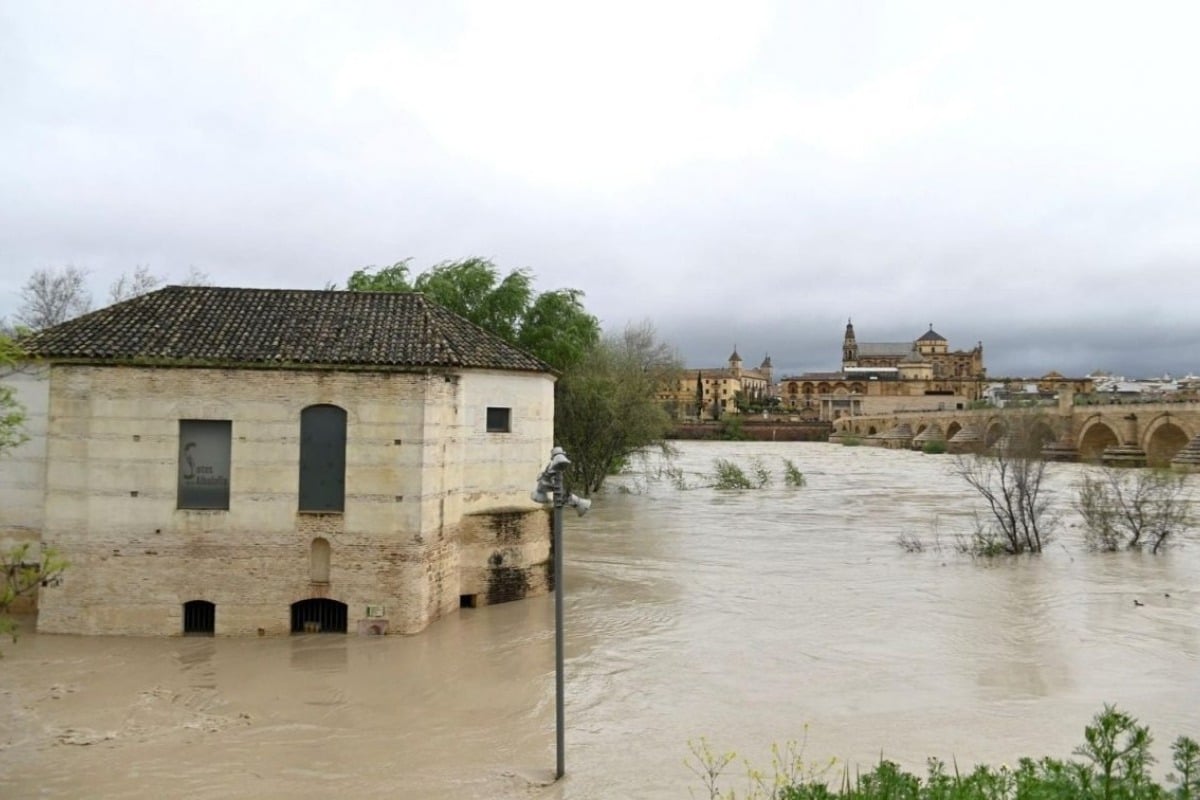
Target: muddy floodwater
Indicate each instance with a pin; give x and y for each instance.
(738, 616)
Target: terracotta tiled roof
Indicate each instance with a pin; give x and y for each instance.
(208, 324)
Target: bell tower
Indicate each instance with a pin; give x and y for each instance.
(849, 347)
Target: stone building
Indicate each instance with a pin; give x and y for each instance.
(716, 390)
(251, 461)
(882, 377)
(928, 357)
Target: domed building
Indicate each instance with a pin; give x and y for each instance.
(881, 377)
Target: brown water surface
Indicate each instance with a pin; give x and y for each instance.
(738, 616)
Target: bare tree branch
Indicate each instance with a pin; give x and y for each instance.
(129, 286)
(51, 296)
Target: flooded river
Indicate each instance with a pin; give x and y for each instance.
(738, 616)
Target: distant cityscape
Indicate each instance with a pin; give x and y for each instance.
(887, 377)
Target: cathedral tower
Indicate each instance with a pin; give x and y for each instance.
(849, 347)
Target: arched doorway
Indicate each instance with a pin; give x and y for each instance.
(1164, 444)
(199, 618)
(318, 615)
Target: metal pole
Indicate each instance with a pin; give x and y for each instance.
(559, 716)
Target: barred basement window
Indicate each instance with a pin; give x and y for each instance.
(204, 463)
(319, 615)
(499, 420)
(199, 618)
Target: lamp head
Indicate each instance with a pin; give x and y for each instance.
(580, 504)
(558, 461)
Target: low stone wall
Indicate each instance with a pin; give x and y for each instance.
(758, 430)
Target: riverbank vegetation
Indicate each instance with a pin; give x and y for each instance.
(1113, 763)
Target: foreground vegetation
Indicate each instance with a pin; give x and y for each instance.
(1113, 763)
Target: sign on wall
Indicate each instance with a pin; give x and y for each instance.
(204, 463)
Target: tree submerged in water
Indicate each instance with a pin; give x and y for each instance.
(21, 574)
(1134, 509)
(1010, 477)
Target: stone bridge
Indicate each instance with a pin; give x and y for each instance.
(1131, 434)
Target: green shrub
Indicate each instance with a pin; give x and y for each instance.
(851, 441)
(728, 475)
(934, 447)
(792, 475)
(730, 429)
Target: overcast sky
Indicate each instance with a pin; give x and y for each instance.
(740, 173)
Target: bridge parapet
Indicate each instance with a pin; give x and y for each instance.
(1155, 434)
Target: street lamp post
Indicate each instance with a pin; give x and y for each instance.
(550, 490)
(559, 686)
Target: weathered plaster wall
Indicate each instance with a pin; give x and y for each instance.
(111, 495)
(492, 471)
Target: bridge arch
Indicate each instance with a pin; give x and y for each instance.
(1162, 440)
(951, 429)
(1094, 437)
(996, 430)
(1044, 432)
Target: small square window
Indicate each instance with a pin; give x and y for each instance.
(499, 420)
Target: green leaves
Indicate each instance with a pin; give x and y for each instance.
(12, 414)
(552, 325)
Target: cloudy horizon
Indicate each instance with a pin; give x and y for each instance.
(749, 175)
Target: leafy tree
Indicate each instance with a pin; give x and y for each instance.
(389, 279)
(12, 415)
(607, 408)
(19, 574)
(557, 329)
(474, 289)
(551, 325)
(52, 296)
